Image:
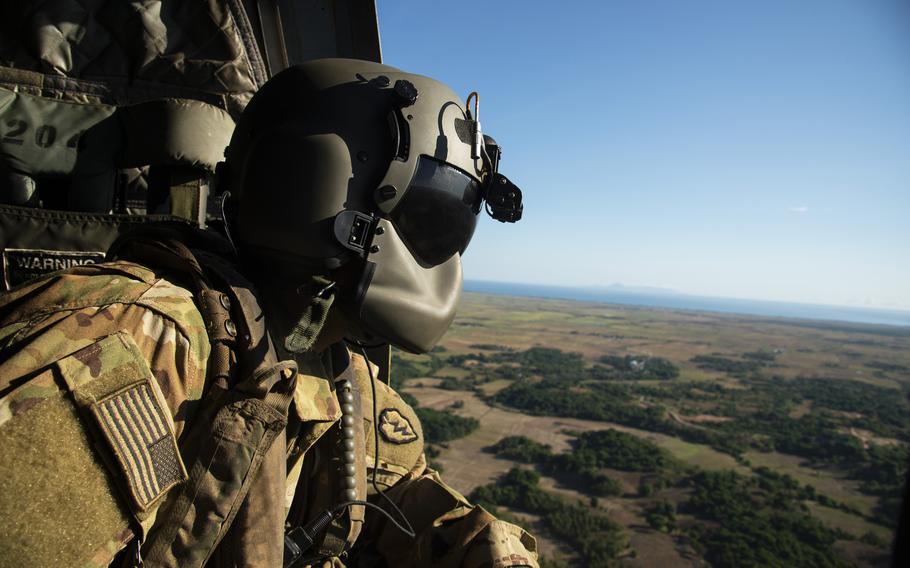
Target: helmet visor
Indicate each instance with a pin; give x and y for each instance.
(437, 215)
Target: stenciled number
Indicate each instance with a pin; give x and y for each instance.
(73, 142)
(18, 128)
(45, 135)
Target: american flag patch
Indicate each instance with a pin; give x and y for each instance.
(143, 442)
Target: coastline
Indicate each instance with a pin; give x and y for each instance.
(894, 319)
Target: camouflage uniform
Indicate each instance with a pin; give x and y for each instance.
(95, 360)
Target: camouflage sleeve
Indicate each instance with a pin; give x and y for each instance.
(55, 316)
(450, 531)
(77, 348)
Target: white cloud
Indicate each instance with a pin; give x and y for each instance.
(799, 209)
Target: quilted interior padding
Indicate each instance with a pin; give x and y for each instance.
(120, 52)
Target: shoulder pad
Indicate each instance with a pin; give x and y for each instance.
(89, 285)
(399, 429)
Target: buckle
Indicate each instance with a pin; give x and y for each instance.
(292, 550)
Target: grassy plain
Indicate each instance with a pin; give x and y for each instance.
(802, 349)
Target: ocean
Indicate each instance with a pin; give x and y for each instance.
(700, 303)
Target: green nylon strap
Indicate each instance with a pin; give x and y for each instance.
(237, 423)
(306, 330)
(236, 426)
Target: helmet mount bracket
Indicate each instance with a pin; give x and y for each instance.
(477, 137)
(501, 197)
(354, 230)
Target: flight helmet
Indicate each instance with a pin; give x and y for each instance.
(348, 166)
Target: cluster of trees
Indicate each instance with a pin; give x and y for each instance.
(880, 410)
(741, 523)
(760, 418)
(618, 450)
(489, 347)
(552, 364)
(888, 367)
(821, 437)
(636, 367)
(815, 436)
(523, 449)
(609, 403)
(557, 365)
(451, 383)
(884, 410)
(880, 469)
(591, 453)
(662, 516)
(740, 520)
(701, 391)
(597, 539)
(461, 359)
(883, 474)
(760, 413)
(440, 426)
(600, 484)
(404, 369)
(520, 448)
(761, 355)
(554, 399)
(783, 491)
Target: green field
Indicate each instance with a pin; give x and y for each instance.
(822, 404)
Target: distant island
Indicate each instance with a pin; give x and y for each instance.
(666, 298)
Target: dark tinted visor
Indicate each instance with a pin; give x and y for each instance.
(436, 217)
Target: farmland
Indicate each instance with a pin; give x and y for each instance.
(801, 426)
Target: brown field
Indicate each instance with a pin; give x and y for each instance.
(595, 329)
(805, 349)
(467, 466)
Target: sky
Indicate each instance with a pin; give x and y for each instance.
(747, 149)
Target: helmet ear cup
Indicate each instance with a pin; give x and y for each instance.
(294, 185)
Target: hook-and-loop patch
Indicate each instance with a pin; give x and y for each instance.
(395, 427)
(111, 381)
(134, 425)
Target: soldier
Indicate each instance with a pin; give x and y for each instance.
(192, 402)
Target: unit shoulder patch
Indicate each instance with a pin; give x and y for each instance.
(395, 427)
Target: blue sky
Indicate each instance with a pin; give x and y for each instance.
(744, 149)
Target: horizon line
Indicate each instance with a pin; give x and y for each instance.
(661, 291)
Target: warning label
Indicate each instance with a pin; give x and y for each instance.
(21, 265)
